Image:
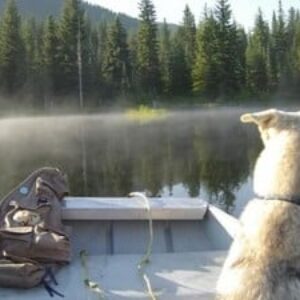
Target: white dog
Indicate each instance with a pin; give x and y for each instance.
(264, 259)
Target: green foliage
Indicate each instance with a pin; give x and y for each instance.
(115, 66)
(189, 35)
(50, 55)
(188, 43)
(279, 48)
(227, 58)
(180, 71)
(71, 33)
(147, 50)
(257, 57)
(291, 30)
(165, 59)
(144, 114)
(215, 60)
(11, 50)
(257, 72)
(32, 36)
(205, 70)
(240, 50)
(219, 69)
(132, 46)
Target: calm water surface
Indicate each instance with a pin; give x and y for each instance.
(207, 154)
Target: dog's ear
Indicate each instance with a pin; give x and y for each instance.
(263, 119)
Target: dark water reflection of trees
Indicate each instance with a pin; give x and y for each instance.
(207, 154)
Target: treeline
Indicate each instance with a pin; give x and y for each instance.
(215, 59)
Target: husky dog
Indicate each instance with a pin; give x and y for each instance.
(264, 260)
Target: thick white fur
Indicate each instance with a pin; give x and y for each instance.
(264, 260)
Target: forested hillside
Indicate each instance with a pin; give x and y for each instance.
(41, 9)
(213, 60)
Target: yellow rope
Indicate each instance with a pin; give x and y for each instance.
(93, 286)
(145, 260)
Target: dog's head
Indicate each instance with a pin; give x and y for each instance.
(273, 122)
(277, 170)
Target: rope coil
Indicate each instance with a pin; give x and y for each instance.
(145, 260)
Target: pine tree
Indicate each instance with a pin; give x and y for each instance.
(147, 49)
(241, 47)
(280, 39)
(258, 57)
(228, 64)
(72, 36)
(219, 69)
(262, 33)
(116, 68)
(29, 35)
(94, 62)
(102, 41)
(291, 30)
(132, 46)
(296, 54)
(205, 70)
(279, 48)
(50, 56)
(189, 42)
(165, 59)
(257, 72)
(89, 57)
(274, 73)
(11, 50)
(291, 26)
(32, 35)
(179, 70)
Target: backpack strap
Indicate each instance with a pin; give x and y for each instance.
(49, 278)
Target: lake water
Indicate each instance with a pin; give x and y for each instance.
(207, 154)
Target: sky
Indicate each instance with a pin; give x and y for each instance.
(243, 11)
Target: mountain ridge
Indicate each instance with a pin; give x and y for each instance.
(40, 9)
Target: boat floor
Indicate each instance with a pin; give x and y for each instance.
(190, 275)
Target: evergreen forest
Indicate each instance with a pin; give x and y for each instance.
(208, 58)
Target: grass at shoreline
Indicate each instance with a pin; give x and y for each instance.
(145, 114)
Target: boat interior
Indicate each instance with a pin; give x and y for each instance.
(190, 239)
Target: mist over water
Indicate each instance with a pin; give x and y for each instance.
(207, 154)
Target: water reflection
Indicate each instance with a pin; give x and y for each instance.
(205, 153)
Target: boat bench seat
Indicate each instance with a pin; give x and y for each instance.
(120, 225)
(191, 275)
(89, 208)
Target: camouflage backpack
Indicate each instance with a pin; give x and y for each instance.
(33, 240)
